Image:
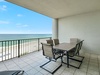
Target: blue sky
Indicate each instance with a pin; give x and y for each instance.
(18, 20)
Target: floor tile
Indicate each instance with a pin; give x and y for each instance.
(38, 73)
(32, 72)
(44, 72)
(26, 68)
(66, 73)
(79, 72)
(93, 72)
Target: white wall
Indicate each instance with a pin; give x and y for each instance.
(85, 27)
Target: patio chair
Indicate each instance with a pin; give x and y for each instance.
(50, 53)
(56, 41)
(72, 53)
(80, 46)
(12, 72)
(50, 42)
(73, 40)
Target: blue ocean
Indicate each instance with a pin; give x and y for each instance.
(22, 36)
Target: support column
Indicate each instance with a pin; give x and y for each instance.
(55, 29)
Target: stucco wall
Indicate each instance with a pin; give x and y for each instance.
(85, 27)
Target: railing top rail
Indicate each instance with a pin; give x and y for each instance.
(25, 39)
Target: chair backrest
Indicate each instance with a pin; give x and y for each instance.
(73, 40)
(50, 42)
(47, 50)
(80, 45)
(56, 41)
(77, 48)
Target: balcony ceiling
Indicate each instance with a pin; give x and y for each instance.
(59, 8)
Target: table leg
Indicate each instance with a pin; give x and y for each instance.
(67, 59)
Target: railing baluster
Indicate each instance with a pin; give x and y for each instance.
(5, 50)
(28, 46)
(18, 48)
(38, 44)
(8, 49)
(11, 49)
(16, 43)
(2, 50)
(23, 47)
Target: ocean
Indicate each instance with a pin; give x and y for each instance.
(22, 36)
(4, 37)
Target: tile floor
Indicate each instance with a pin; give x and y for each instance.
(30, 64)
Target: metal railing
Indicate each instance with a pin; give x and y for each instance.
(16, 48)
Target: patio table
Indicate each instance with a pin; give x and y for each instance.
(65, 47)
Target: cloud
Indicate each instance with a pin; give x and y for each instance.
(2, 1)
(4, 22)
(3, 8)
(19, 15)
(21, 25)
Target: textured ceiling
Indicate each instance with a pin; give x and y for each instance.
(59, 8)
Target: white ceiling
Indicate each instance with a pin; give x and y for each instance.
(59, 8)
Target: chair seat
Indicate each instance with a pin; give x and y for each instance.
(58, 52)
(71, 54)
(77, 58)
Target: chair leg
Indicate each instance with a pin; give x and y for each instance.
(45, 63)
(81, 61)
(50, 71)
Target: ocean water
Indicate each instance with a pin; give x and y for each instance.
(4, 37)
(22, 36)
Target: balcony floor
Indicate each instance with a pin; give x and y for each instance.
(30, 64)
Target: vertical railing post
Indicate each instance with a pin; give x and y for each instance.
(38, 44)
(18, 48)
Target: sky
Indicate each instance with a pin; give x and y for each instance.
(15, 19)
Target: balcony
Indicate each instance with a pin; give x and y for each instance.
(71, 19)
(26, 54)
(30, 64)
